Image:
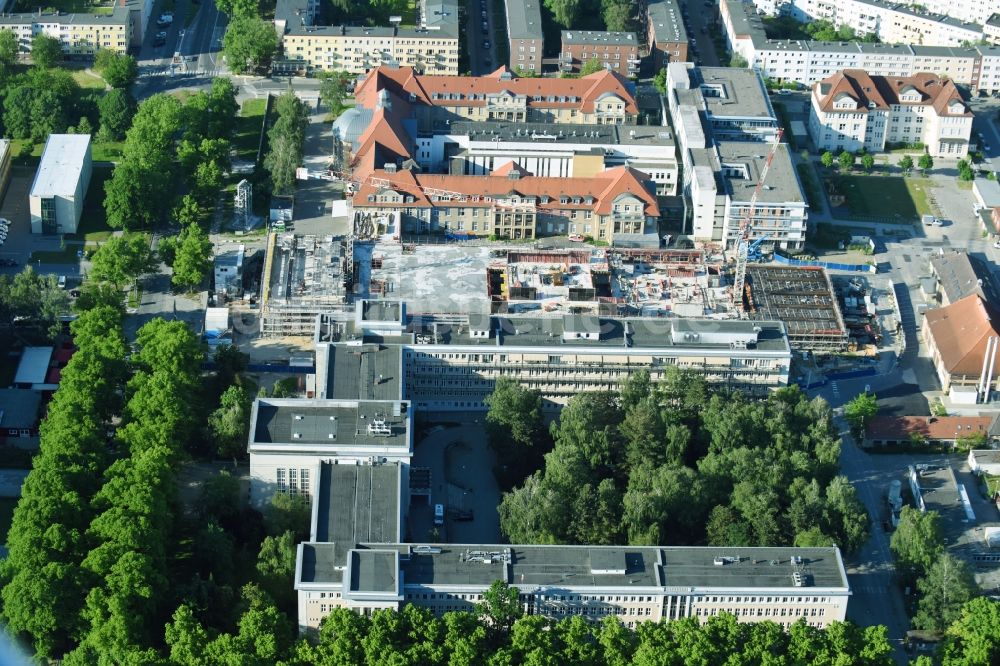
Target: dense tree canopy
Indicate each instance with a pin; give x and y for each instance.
(675, 463)
(123, 259)
(46, 51)
(118, 69)
(249, 44)
(32, 299)
(285, 141)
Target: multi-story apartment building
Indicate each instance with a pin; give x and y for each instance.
(666, 36)
(892, 22)
(525, 39)
(80, 35)
(853, 111)
(806, 62)
(568, 151)
(512, 203)
(636, 584)
(616, 51)
(451, 363)
(430, 47)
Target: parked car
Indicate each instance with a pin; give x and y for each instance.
(486, 43)
(166, 18)
(486, 28)
(576, 238)
(439, 514)
(160, 39)
(62, 281)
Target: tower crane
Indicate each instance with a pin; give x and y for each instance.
(743, 237)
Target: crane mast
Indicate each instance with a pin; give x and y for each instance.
(743, 237)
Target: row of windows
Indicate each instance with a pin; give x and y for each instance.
(292, 481)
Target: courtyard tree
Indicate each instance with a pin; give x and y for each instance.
(972, 637)
(846, 160)
(592, 66)
(46, 51)
(249, 44)
(228, 425)
(826, 159)
(115, 110)
(564, 11)
(868, 162)
(333, 91)
(32, 299)
(906, 164)
(965, 171)
(499, 610)
(925, 163)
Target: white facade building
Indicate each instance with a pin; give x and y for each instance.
(853, 111)
(57, 195)
(289, 438)
(806, 62)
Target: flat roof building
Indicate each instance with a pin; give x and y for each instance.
(635, 583)
(451, 362)
(615, 51)
(60, 187)
(290, 437)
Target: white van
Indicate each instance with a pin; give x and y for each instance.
(439, 514)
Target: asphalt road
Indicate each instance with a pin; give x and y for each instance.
(481, 60)
(698, 20)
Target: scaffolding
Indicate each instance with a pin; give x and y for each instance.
(303, 277)
(804, 300)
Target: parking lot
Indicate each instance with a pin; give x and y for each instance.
(20, 242)
(462, 480)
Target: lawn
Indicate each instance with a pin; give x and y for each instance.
(247, 135)
(93, 223)
(885, 198)
(87, 80)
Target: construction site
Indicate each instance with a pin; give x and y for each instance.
(803, 298)
(303, 276)
(308, 275)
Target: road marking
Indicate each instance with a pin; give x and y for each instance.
(836, 389)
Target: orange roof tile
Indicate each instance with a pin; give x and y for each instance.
(472, 90)
(928, 427)
(506, 169)
(604, 189)
(960, 331)
(385, 135)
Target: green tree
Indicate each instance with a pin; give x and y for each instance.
(276, 568)
(220, 497)
(46, 51)
(333, 91)
(189, 212)
(238, 8)
(8, 53)
(249, 44)
(846, 160)
(95, 294)
(617, 14)
(229, 425)
(867, 162)
(972, 636)
(925, 163)
(193, 258)
(591, 66)
(812, 538)
(32, 300)
(660, 81)
(282, 159)
(965, 171)
(737, 60)
(514, 416)
(906, 163)
(499, 610)
(123, 259)
(171, 347)
(116, 108)
(118, 69)
(917, 542)
(288, 513)
(944, 589)
(862, 408)
(564, 12)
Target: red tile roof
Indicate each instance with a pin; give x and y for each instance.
(472, 90)
(959, 332)
(880, 92)
(604, 188)
(928, 427)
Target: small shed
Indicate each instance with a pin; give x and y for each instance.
(216, 323)
(33, 368)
